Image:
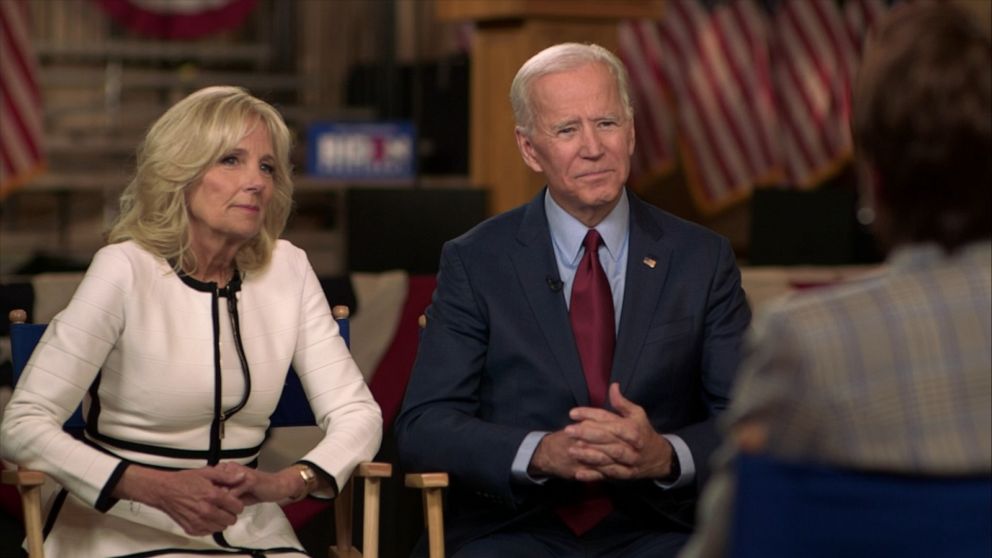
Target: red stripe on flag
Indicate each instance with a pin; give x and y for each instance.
(652, 114)
(843, 48)
(833, 26)
(803, 115)
(796, 116)
(812, 78)
(748, 93)
(702, 35)
(754, 29)
(837, 84)
(21, 153)
(693, 115)
(15, 126)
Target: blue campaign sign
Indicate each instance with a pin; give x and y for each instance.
(362, 150)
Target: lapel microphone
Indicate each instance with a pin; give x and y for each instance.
(555, 284)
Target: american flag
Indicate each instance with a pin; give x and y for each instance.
(21, 155)
(744, 92)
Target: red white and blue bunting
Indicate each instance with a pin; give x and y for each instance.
(178, 19)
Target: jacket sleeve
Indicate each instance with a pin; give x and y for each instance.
(57, 376)
(725, 321)
(438, 426)
(340, 400)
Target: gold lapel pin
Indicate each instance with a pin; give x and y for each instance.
(650, 262)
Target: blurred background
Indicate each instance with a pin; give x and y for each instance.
(741, 113)
(733, 99)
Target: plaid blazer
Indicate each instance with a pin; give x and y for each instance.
(892, 372)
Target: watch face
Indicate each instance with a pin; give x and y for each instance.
(309, 477)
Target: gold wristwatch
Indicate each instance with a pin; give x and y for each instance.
(309, 479)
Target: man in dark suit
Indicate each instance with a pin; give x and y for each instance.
(509, 391)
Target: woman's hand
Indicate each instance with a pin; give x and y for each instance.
(207, 500)
(202, 501)
(259, 486)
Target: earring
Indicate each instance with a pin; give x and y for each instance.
(866, 215)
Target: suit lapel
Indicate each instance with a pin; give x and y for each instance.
(648, 261)
(534, 260)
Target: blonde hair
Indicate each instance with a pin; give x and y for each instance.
(560, 58)
(177, 151)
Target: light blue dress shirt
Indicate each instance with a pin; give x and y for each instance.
(567, 234)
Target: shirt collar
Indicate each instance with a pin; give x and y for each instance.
(567, 232)
(929, 254)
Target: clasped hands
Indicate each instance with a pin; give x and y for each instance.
(209, 499)
(602, 444)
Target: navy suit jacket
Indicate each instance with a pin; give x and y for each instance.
(497, 360)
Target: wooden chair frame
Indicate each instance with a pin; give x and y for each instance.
(432, 486)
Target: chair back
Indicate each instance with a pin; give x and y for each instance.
(787, 509)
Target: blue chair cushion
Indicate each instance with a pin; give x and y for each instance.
(787, 509)
(23, 338)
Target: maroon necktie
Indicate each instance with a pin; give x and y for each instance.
(591, 314)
